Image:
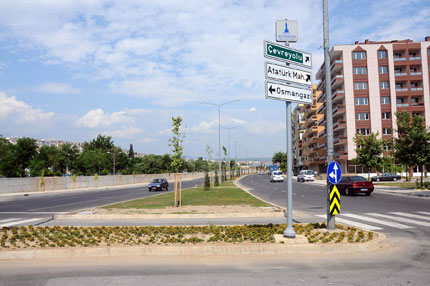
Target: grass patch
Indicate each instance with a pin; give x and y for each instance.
(224, 195)
(407, 185)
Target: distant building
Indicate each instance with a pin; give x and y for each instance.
(48, 142)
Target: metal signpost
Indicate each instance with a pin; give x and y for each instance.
(294, 87)
(334, 174)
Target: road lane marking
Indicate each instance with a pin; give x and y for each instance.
(8, 220)
(41, 213)
(400, 219)
(19, 222)
(353, 223)
(427, 213)
(383, 222)
(411, 215)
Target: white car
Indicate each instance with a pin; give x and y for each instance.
(277, 176)
(305, 176)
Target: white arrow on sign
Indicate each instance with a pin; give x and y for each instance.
(278, 72)
(333, 174)
(286, 92)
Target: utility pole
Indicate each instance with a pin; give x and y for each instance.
(329, 115)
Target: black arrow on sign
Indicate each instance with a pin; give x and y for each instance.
(271, 89)
(333, 209)
(308, 77)
(306, 59)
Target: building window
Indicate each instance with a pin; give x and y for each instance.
(360, 70)
(363, 131)
(387, 131)
(386, 115)
(385, 100)
(360, 85)
(361, 101)
(358, 55)
(382, 54)
(362, 116)
(384, 85)
(383, 69)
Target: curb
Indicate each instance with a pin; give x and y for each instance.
(377, 243)
(168, 216)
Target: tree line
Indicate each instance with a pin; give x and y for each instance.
(410, 148)
(25, 158)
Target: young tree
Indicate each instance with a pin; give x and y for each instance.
(369, 151)
(402, 144)
(281, 159)
(176, 142)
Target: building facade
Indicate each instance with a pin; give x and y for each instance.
(370, 82)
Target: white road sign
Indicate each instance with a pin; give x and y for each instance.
(286, 31)
(286, 92)
(283, 73)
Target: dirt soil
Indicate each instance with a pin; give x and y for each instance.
(193, 210)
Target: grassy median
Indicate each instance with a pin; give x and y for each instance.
(225, 195)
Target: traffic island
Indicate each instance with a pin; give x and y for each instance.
(66, 242)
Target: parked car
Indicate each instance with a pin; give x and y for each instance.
(277, 176)
(386, 177)
(305, 176)
(158, 185)
(349, 185)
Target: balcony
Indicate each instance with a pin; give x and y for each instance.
(397, 74)
(399, 59)
(340, 140)
(321, 97)
(338, 95)
(416, 73)
(321, 86)
(321, 109)
(321, 121)
(341, 155)
(414, 58)
(416, 88)
(402, 104)
(339, 108)
(337, 80)
(401, 89)
(336, 66)
(340, 124)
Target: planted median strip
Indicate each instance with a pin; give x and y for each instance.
(60, 237)
(225, 195)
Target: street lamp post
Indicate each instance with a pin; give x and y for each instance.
(219, 131)
(113, 155)
(229, 150)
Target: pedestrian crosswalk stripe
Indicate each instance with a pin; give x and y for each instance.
(401, 219)
(353, 223)
(411, 215)
(8, 220)
(370, 219)
(427, 213)
(19, 222)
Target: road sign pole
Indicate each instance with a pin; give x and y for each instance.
(329, 115)
(289, 231)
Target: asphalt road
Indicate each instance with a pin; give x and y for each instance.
(391, 214)
(42, 207)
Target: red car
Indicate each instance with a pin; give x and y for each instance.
(349, 185)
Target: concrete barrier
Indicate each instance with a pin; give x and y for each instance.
(34, 184)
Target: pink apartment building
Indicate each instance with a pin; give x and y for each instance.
(370, 82)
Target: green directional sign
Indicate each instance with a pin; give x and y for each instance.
(286, 54)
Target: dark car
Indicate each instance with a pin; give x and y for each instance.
(349, 185)
(386, 177)
(158, 185)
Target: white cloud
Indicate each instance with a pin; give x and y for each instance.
(57, 88)
(205, 127)
(252, 109)
(98, 118)
(20, 112)
(127, 132)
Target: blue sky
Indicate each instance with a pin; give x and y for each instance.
(73, 69)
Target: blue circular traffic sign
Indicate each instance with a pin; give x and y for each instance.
(333, 172)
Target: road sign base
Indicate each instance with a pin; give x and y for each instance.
(289, 232)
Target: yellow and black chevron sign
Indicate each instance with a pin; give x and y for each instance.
(334, 201)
